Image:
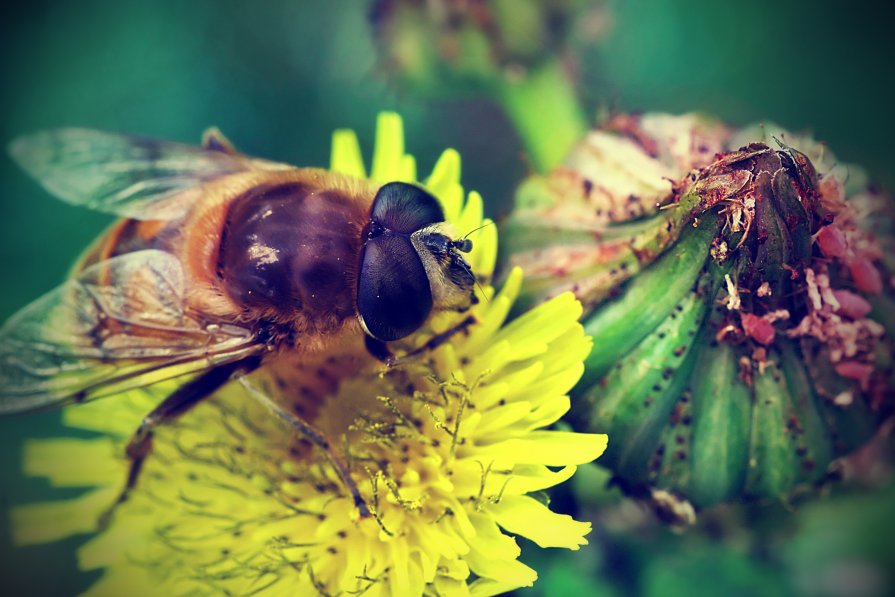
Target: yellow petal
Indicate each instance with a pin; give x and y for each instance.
(486, 396)
(486, 587)
(494, 554)
(451, 587)
(388, 154)
(535, 477)
(51, 521)
(456, 569)
(118, 415)
(569, 350)
(490, 322)
(486, 249)
(451, 201)
(499, 419)
(493, 314)
(346, 155)
(544, 323)
(490, 541)
(470, 219)
(518, 379)
(553, 448)
(548, 386)
(69, 462)
(547, 413)
(400, 575)
(444, 183)
(124, 580)
(445, 173)
(513, 284)
(530, 518)
(408, 168)
(128, 532)
(506, 574)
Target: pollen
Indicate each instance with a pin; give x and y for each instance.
(263, 254)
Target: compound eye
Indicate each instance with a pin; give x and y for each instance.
(404, 208)
(393, 293)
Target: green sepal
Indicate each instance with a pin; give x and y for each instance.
(722, 406)
(814, 447)
(635, 399)
(646, 300)
(773, 460)
(559, 258)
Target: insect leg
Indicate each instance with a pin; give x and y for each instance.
(180, 401)
(381, 351)
(214, 140)
(315, 437)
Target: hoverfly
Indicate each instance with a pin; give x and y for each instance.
(220, 264)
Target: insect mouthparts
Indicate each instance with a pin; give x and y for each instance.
(375, 229)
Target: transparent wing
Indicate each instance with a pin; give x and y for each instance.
(129, 176)
(118, 325)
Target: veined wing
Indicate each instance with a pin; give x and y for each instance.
(119, 324)
(129, 176)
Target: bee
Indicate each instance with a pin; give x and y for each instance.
(220, 264)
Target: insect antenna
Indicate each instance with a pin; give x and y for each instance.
(486, 224)
(465, 246)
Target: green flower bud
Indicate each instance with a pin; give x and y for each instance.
(452, 47)
(739, 290)
(511, 51)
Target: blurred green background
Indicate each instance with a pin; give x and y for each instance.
(277, 77)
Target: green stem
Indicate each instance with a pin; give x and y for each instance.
(544, 108)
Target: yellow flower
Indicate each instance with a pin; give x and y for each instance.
(446, 449)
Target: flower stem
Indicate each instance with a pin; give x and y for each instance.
(544, 108)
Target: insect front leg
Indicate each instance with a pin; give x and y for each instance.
(315, 437)
(139, 447)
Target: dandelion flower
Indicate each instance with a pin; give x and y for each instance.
(449, 450)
